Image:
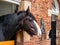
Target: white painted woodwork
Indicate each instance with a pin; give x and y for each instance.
(24, 5)
(6, 8)
(13, 1)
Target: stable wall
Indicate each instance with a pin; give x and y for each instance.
(6, 8)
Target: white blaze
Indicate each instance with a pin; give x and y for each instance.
(39, 33)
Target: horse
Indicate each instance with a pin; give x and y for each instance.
(11, 23)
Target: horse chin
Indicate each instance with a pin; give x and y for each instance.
(39, 33)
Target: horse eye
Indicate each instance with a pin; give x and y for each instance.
(30, 19)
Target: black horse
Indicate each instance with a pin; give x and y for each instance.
(11, 23)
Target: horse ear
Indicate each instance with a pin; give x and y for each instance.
(28, 10)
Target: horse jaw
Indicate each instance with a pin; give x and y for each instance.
(39, 33)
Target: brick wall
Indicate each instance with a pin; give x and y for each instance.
(39, 8)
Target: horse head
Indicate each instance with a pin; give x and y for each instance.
(28, 23)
